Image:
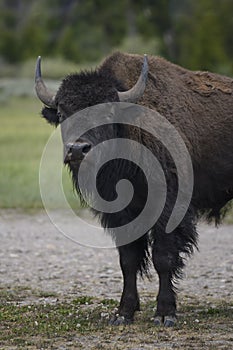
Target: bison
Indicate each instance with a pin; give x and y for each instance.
(200, 106)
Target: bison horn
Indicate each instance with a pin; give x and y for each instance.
(138, 89)
(46, 96)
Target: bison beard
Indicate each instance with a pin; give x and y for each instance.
(200, 106)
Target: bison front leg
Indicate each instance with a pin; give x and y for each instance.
(167, 260)
(164, 263)
(132, 257)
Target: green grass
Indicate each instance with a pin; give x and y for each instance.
(23, 136)
(84, 321)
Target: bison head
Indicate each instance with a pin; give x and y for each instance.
(77, 92)
(82, 90)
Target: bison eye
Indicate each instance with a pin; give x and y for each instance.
(60, 117)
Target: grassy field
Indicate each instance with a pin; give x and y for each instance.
(82, 323)
(23, 136)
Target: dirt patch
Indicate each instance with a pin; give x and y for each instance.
(39, 266)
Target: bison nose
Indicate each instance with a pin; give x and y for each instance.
(76, 151)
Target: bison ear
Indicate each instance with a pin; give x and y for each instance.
(50, 115)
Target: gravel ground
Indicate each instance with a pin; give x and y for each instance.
(34, 253)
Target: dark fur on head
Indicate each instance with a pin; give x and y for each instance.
(70, 98)
(97, 87)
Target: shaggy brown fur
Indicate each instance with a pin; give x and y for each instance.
(200, 106)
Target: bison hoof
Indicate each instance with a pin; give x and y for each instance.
(166, 321)
(118, 320)
(158, 321)
(169, 321)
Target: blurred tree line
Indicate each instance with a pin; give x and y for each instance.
(194, 33)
